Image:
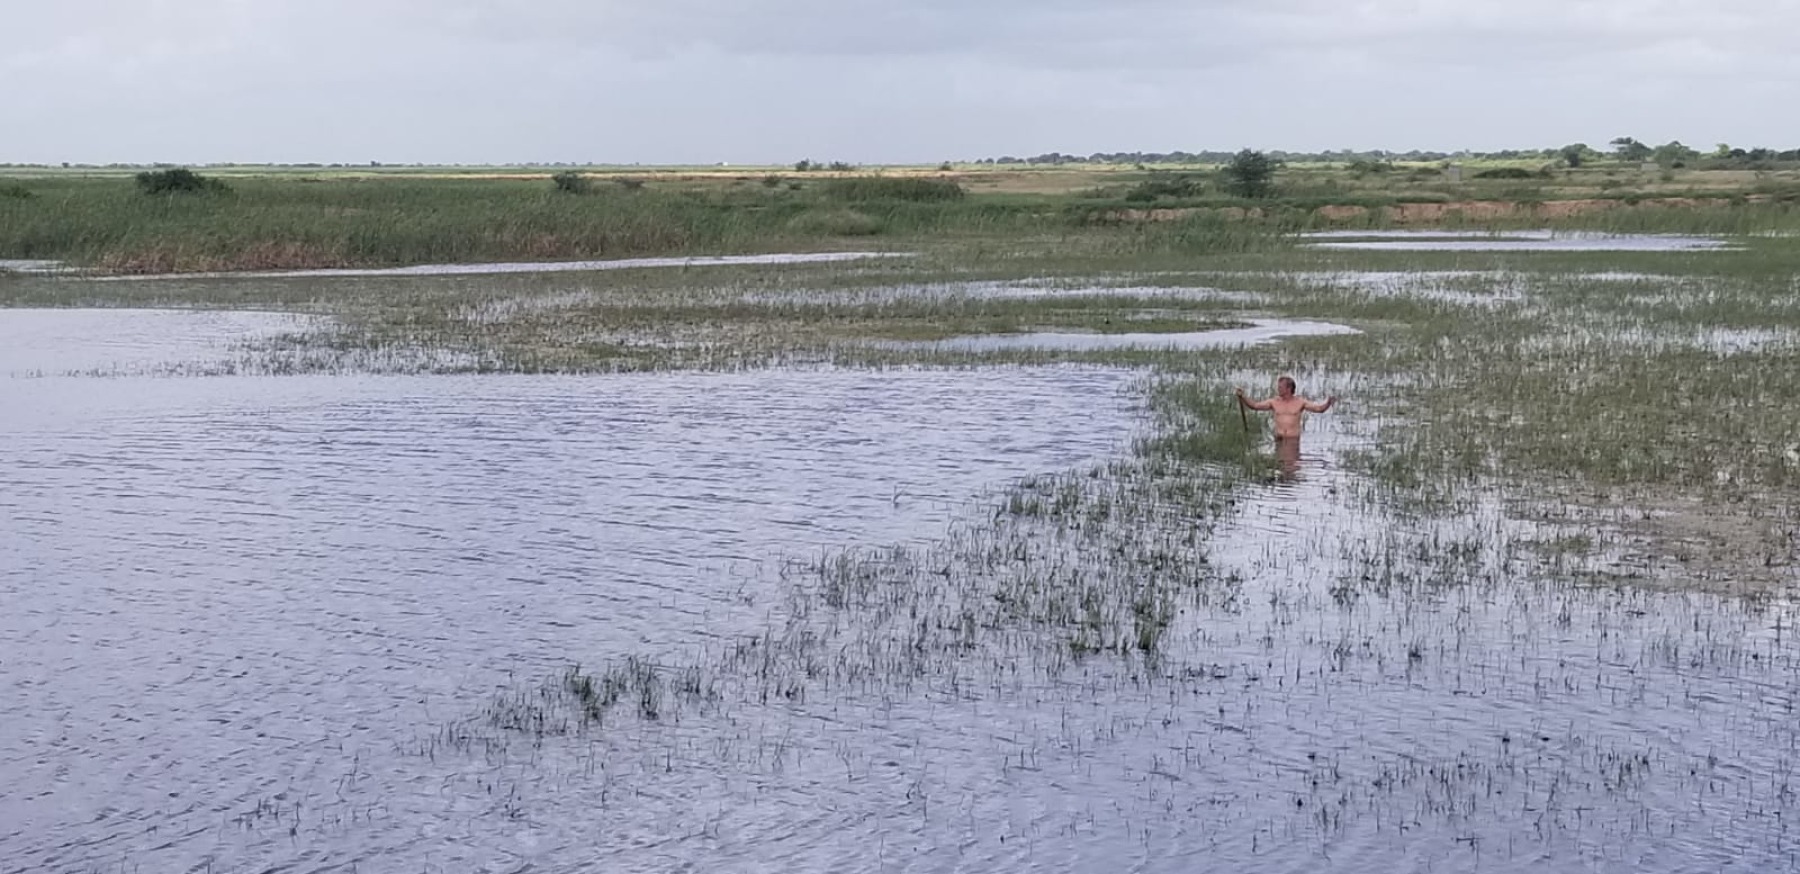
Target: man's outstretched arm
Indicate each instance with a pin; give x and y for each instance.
(1254, 405)
(1316, 407)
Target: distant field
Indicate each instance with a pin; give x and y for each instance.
(299, 217)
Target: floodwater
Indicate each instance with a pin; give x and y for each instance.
(26, 265)
(1008, 290)
(1259, 331)
(504, 267)
(231, 599)
(56, 342)
(1509, 241)
(239, 611)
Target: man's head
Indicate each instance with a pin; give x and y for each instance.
(1285, 386)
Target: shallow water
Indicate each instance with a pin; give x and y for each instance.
(231, 596)
(1364, 690)
(54, 342)
(502, 267)
(26, 265)
(1038, 290)
(1260, 331)
(1510, 241)
(240, 608)
(1461, 705)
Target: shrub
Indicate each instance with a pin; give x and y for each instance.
(571, 182)
(1251, 174)
(1364, 168)
(771, 181)
(1164, 185)
(1505, 173)
(15, 191)
(886, 188)
(179, 180)
(629, 184)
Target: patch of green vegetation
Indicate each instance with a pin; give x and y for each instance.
(1251, 174)
(571, 182)
(1166, 185)
(179, 180)
(1508, 173)
(835, 223)
(290, 222)
(902, 188)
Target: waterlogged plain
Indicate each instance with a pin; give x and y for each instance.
(1513, 241)
(794, 595)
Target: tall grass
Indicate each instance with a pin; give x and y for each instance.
(893, 188)
(274, 223)
(305, 222)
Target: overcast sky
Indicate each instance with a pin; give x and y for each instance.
(773, 81)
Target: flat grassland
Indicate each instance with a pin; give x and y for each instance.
(317, 217)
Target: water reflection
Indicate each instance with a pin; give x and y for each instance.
(1287, 458)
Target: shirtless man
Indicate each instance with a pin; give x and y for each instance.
(1288, 407)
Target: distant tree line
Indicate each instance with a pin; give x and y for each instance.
(1625, 149)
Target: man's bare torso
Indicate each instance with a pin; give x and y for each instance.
(1289, 416)
(1289, 409)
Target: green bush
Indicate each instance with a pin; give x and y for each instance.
(571, 182)
(179, 180)
(1165, 185)
(1251, 174)
(885, 188)
(15, 191)
(1506, 173)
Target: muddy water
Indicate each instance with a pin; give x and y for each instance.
(235, 605)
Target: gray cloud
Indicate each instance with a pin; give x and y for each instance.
(711, 80)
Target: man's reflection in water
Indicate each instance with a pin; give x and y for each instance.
(1287, 459)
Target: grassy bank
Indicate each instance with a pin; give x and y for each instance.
(297, 220)
(269, 223)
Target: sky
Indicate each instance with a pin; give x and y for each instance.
(877, 81)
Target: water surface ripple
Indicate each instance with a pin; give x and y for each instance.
(232, 604)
